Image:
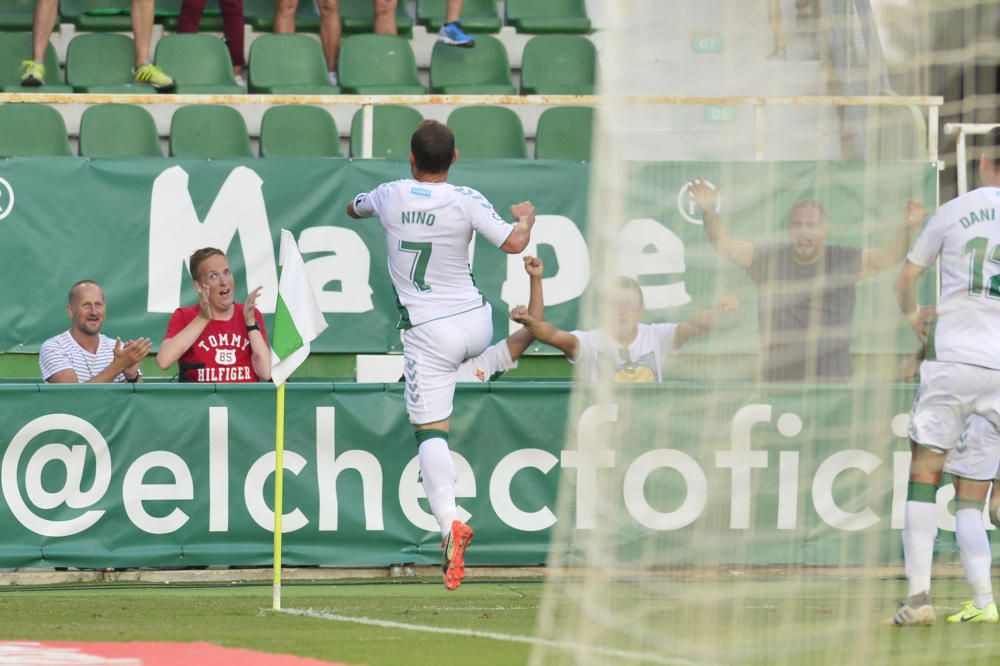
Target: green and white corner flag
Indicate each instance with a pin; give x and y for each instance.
(297, 317)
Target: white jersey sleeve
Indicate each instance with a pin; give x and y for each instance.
(930, 241)
(495, 359)
(664, 335)
(368, 204)
(485, 219)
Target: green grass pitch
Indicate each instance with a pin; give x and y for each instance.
(791, 622)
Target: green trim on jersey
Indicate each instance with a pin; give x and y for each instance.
(404, 314)
(962, 503)
(430, 433)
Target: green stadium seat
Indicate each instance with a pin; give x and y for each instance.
(298, 131)
(97, 15)
(543, 16)
(488, 131)
(558, 65)
(565, 133)
(15, 47)
(260, 15)
(199, 63)
(101, 62)
(118, 130)
(168, 13)
(288, 64)
(358, 17)
(394, 125)
(477, 15)
(483, 70)
(209, 130)
(378, 65)
(18, 15)
(32, 129)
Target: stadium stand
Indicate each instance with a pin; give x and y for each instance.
(97, 15)
(378, 65)
(358, 16)
(564, 133)
(17, 15)
(209, 130)
(505, 137)
(32, 129)
(118, 130)
(200, 64)
(558, 65)
(483, 70)
(101, 62)
(298, 131)
(288, 64)
(15, 47)
(477, 15)
(543, 16)
(393, 126)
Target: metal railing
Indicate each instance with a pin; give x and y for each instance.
(960, 131)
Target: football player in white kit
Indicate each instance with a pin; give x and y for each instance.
(428, 225)
(959, 378)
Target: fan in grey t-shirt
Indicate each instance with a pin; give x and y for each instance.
(806, 289)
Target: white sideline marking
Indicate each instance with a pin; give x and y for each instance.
(512, 638)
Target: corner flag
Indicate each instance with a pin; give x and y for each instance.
(297, 317)
(297, 322)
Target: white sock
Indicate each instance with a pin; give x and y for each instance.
(438, 474)
(974, 547)
(333, 78)
(918, 544)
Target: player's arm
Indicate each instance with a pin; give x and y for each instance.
(260, 353)
(545, 332)
(906, 296)
(362, 206)
(876, 260)
(740, 252)
(173, 347)
(524, 213)
(704, 321)
(519, 340)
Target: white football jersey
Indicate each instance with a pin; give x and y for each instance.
(428, 228)
(642, 361)
(965, 232)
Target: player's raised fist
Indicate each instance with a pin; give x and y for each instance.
(915, 213)
(523, 211)
(533, 266)
(729, 303)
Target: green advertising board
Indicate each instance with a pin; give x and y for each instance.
(182, 475)
(131, 224)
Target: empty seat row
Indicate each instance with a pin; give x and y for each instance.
(528, 16)
(294, 64)
(206, 130)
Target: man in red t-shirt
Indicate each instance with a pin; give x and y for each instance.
(216, 340)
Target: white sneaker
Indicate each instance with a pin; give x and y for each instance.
(333, 79)
(240, 80)
(917, 611)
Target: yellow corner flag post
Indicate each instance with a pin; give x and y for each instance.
(297, 322)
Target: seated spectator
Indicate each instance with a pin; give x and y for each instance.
(217, 339)
(46, 11)
(232, 29)
(82, 354)
(630, 351)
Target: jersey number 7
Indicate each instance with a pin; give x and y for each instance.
(422, 256)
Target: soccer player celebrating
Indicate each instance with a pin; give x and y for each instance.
(960, 377)
(445, 319)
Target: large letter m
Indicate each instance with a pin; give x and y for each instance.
(175, 232)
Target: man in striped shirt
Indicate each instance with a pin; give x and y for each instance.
(82, 354)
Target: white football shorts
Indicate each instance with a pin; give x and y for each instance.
(432, 353)
(949, 393)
